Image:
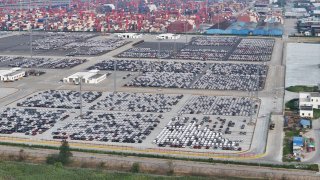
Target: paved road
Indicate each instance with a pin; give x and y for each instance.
(316, 134)
(275, 140)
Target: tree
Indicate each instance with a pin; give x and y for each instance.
(65, 153)
(135, 167)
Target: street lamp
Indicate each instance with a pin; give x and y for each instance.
(159, 48)
(175, 45)
(30, 31)
(115, 76)
(80, 97)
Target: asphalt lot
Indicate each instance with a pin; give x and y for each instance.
(4, 92)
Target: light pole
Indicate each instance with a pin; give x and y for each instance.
(30, 31)
(80, 97)
(115, 76)
(175, 45)
(185, 31)
(159, 49)
(31, 42)
(20, 14)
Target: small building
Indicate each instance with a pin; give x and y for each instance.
(168, 36)
(305, 123)
(306, 111)
(308, 102)
(90, 77)
(297, 145)
(129, 35)
(310, 99)
(11, 74)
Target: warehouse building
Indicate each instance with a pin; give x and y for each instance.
(129, 35)
(179, 27)
(90, 77)
(168, 36)
(11, 74)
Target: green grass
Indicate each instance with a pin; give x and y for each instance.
(316, 113)
(302, 88)
(292, 104)
(311, 167)
(290, 134)
(23, 171)
(287, 149)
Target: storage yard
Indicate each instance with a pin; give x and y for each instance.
(59, 44)
(177, 101)
(132, 117)
(36, 62)
(206, 49)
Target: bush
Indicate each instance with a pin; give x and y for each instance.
(293, 104)
(52, 159)
(58, 165)
(101, 165)
(171, 168)
(135, 167)
(22, 155)
(316, 113)
(302, 88)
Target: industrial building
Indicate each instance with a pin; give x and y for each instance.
(11, 74)
(168, 36)
(309, 26)
(179, 27)
(129, 35)
(90, 77)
